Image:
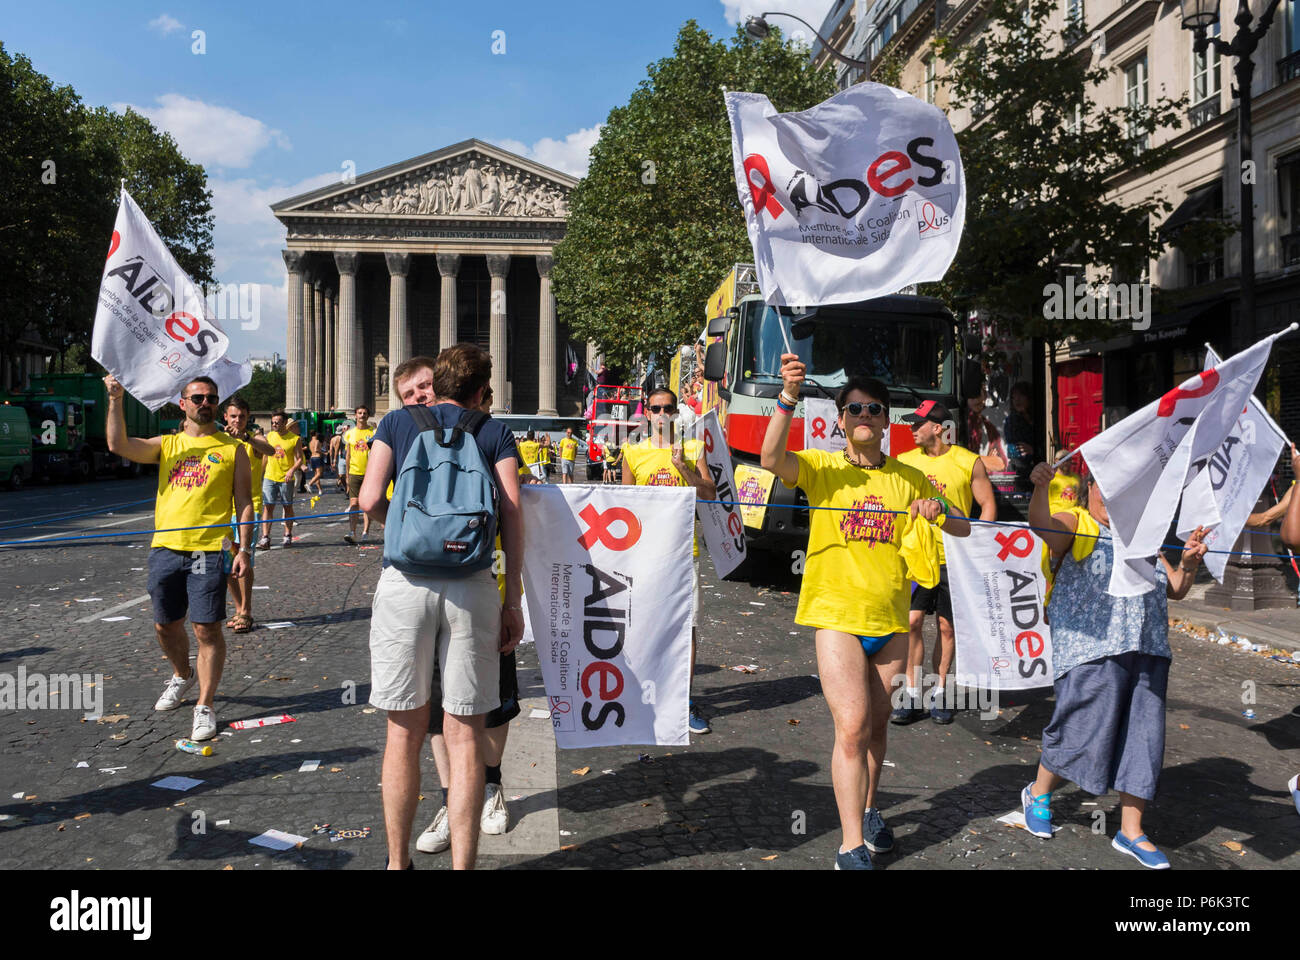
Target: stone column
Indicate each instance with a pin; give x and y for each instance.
(308, 339)
(498, 265)
(327, 402)
(318, 364)
(448, 267)
(351, 364)
(399, 332)
(293, 322)
(334, 345)
(545, 339)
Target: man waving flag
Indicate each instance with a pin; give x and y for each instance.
(1143, 463)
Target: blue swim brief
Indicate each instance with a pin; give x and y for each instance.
(874, 644)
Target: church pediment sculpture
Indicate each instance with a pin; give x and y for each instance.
(473, 186)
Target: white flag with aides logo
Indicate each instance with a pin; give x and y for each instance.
(721, 523)
(1143, 462)
(999, 594)
(854, 198)
(821, 427)
(608, 585)
(1226, 485)
(152, 328)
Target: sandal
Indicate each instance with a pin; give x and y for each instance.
(241, 623)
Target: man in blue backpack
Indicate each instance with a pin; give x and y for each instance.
(437, 595)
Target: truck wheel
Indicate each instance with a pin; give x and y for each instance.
(82, 471)
(16, 479)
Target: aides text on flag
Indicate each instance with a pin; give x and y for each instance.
(854, 198)
(152, 328)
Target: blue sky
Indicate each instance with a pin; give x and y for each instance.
(285, 94)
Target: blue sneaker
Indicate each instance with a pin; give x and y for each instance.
(697, 723)
(879, 838)
(1148, 858)
(1038, 812)
(856, 859)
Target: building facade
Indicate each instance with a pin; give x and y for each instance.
(452, 246)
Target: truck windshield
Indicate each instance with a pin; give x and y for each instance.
(907, 350)
(39, 411)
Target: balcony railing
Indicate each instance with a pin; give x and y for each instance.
(1203, 112)
(1288, 68)
(1290, 249)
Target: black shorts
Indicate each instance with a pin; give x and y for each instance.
(936, 599)
(499, 717)
(181, 582)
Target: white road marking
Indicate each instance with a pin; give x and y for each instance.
(121, 606)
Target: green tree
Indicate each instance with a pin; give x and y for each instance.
(1042, 159)
(266, 390)
(657, 222)
(59, 183)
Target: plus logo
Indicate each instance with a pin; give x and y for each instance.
(599, 523)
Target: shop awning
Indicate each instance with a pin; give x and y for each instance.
(1204, 201)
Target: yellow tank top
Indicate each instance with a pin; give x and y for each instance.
(950, 474)
(196, 486)
(257, 466)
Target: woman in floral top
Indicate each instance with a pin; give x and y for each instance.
(1111, 665)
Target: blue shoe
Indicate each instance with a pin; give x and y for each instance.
(856, 859)
(1148, 858)
(1038, 812)
(697, 723)
(941, 715)
(879, 838)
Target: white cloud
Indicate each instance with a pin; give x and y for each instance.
(814, 11)
(209, 134)
(165, 24)
(572, 154)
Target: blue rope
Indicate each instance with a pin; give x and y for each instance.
(74, 516)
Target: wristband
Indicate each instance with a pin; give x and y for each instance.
(783, 406)
(943, 503)
(792, 401)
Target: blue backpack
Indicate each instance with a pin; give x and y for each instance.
(443, 515)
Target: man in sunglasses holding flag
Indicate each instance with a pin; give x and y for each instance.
(201, 469)
(664, 459)
(862, 544)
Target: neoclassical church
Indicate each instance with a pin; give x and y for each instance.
(451, 246)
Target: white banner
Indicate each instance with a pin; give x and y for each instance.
(721, 523)
(1142, 492)
(821, 427)
(854, 198)
(607, 581)
(999, 594)
(152, 329)
(1223, 492)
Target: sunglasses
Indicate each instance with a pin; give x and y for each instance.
(662, 408)
(201, 398)
(874, 408)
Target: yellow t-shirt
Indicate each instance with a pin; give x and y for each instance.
(569, 449)
(196, 486)
(855, 579)
(950, 474)
(277, 467)
(358, 441)
(528, 450)
(1063, 492)
(544, 452)
(652, 466)
(257, 465)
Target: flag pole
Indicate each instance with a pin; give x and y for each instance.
(1058, 463)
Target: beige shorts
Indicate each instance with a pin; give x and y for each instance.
(457, 620)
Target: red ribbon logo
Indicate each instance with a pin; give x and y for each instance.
(112, 247)
(760, 185)
(598, 523)
(1023, 538)
(1209, 380)
(819, 428)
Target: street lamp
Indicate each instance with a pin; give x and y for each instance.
(758, 28)
(1198, 16)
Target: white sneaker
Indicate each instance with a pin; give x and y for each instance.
(175, 691)
(496, 818)
(205, 723)
(437, 837)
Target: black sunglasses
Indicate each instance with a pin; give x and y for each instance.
(662, 408)
(200, 398)
(874, 408)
